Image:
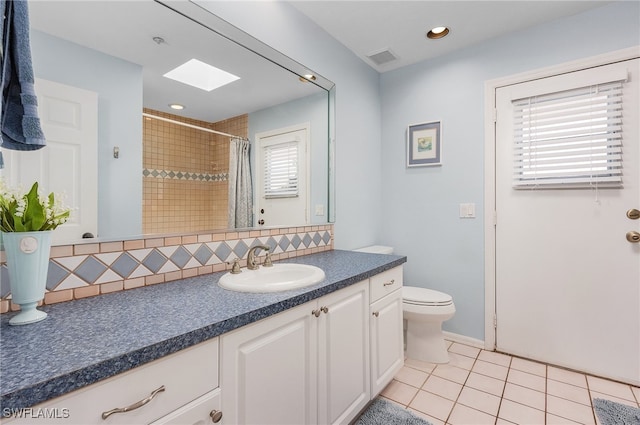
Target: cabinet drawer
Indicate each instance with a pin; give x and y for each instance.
(185, 375)
(385, 283)
(204, 410)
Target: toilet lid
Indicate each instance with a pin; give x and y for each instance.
(424, 296)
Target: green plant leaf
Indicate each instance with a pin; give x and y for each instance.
(35, 211)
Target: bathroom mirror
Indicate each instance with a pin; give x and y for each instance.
(121, 50)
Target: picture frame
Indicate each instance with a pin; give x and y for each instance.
(424, 144)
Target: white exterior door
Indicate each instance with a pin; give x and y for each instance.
(567, 279)
(275, 209)
(68, 163)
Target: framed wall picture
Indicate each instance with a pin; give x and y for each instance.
(424, 144)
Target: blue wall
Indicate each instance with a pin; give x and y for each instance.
(119, 87)
(421, 205)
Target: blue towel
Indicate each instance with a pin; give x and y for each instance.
(19, 114)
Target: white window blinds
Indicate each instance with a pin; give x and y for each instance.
(570, 138)
(281, 170)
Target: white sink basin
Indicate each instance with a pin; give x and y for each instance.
(279, 277)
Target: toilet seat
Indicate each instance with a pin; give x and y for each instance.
(425, 297)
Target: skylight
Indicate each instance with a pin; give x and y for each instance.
(201, 75)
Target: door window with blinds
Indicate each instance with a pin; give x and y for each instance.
(570, 138)
(281, 170)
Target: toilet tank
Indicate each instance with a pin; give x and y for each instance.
(376, 249)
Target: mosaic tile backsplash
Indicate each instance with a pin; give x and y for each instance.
(84, 270)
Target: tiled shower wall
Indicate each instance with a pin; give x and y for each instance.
(85, 270)
(185, 173)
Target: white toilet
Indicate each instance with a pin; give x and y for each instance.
(424, 311)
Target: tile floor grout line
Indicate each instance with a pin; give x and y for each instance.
(546, 393)
(504, 388)
(593, 408)
(455, 403)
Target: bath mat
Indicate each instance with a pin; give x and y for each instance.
(611, 413)
(383, 412)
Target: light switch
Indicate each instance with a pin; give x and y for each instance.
(320, 209)
(468, 210)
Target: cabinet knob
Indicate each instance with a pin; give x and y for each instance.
(376, 313)
(318, 312)
(215, 415)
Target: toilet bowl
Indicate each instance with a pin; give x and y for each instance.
(425, 310)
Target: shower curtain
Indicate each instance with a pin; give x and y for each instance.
(240, 185)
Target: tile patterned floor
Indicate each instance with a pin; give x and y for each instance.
(482, 387)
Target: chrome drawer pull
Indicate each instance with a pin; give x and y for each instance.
(389, 283)
(134, 406)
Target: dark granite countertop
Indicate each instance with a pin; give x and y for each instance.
(82, 342)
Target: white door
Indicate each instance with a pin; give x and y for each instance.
(567, 279)
(68, 163)
(282, 177)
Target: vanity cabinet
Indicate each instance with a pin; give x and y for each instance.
(306, 365)
(159, 387)
(387, 345)
(320, 362)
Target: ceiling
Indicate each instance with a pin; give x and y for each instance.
(369, 27)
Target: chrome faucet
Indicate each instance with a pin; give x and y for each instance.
(252, 264)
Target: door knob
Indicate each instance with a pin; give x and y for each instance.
(633, 236)
(633, 214)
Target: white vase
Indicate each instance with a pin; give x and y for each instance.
(28, 264)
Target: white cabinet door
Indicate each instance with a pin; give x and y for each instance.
(269, 370)
(343, 342)
(387, 354)
(306, 365)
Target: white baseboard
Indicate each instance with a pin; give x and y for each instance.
(462, 339)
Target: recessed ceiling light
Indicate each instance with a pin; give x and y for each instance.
(437, 32)
(176, 106)
(201, 75)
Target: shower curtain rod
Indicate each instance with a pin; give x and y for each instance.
(144, 114)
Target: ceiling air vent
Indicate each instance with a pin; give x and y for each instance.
(382, 57)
